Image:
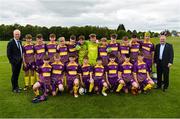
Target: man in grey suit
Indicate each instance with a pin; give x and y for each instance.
(14, 54)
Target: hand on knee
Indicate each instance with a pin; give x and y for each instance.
(61, 88)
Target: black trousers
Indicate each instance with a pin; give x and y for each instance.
(162, 75)
(16, 68)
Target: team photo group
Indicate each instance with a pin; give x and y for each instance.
(88, 67)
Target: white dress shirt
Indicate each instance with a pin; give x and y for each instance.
(18, 45)
(161, 51)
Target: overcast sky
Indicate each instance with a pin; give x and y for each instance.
(144, 15)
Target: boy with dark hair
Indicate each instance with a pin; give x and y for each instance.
(100, 84)
(86, 75)
(72, 75)
(81, 48)
(102, 51)
(44, 81)
(141, 74)
(57, 75)
(40, 52)
(51, 47)
(126, 74)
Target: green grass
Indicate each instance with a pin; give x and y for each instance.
(155, 104)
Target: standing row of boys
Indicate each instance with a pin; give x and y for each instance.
(98, 66)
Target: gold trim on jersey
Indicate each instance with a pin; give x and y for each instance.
(46, 74)
(124, 51)
(86, 73)
(57, 72)
(142, 71)
(98, 74)
(127, 71)
(29, 51)
(72, 49)
(62, 53)
(40, 51)
(134, 50)
(51, 50)
(112, 71)
(146, 48)
(114, 48)
(72, 72)
(103, 53)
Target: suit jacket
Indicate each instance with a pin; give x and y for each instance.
(168, 54)
(13, 52)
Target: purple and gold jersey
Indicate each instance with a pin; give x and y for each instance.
(28, 51)
(72, 69)
(45, 73)
(102, 52)
(114, 48)
(126, 68)
(112, 70)
(134, 51)
(40, 51)
(72, 49)
(63, 52)
(86, 70)
(99, 72)
(51, 48)
(141, 70)
(147, 49)
(57, 69)
(124, 49)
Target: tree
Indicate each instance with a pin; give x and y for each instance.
(121, 27)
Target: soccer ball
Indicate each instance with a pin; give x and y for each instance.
(81, 91)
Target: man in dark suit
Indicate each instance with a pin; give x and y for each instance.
(14, 54)
(163, 59)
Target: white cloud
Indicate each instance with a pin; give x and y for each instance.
(146, 15)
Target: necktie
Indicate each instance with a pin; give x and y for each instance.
(19, 46)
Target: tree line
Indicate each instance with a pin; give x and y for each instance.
(6, 31)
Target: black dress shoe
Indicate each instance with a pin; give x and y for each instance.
(18, 91)
(164, 89)
(14, 91)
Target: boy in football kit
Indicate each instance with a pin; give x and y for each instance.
(72, 75)
(102, 51)
(92, 47)
(86, 75)
(81, 47)
(124, 48)
(51, 47)
(126, 74)
(62, 49)
(112, 76)
(44, 82)
(134, 49)
(141, 74)
(57, 75)
(40, 52)
(28, 62)
(72, 47)
(113, 47)
(147, 50)
(100, 84)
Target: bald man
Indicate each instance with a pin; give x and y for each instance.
(163, 59)
(14, 54)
